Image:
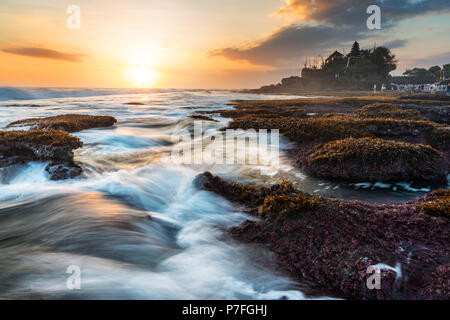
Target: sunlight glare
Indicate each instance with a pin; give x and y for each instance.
(142, 76)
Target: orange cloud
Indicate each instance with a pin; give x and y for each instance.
(37, 52)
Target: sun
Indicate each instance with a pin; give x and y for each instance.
(141, 76)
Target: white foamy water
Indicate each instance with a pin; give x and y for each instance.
(134, 223)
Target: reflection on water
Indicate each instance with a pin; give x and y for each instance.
(134, 223)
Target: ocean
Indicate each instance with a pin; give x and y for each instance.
(134, 225)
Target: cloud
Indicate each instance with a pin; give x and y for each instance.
(394, 44)
(327, 25)
(287, 44)
(439, 59)
(37, 52)
(353, 12)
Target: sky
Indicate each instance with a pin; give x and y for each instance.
(229, 44)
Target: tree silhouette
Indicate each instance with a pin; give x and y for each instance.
(436, 70)
(384, 60)
(355, 52)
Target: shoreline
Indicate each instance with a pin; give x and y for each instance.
(399, 225)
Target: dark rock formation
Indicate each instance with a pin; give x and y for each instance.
(135, 103)
(60, 171)
(66, 122)
(41, 145)
(331, 243)
(436, 113)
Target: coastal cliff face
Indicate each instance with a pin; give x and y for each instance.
(332, 243)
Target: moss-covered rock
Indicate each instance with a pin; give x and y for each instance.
(437, 203)
(41, 145)
(336, 128)
(388, 110)
(369, 159)
(289, 204)
(66, 122)
(438, 111)
(331, 243)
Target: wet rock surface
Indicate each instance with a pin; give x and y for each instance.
(41, 145)
(382, 119)
(331, 243)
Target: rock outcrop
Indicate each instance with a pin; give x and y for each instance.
(52, 146)
(388, 110)
(331, 243)
(66, 122)
(377, 160)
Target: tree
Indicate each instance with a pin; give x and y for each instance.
(418, 72)
(446, 70)
(383, 58)
(436, 70)
(355, 52)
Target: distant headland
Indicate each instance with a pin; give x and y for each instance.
(361, 69)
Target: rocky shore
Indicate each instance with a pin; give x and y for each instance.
(413, 148)
(373, 160)
(435, 110)
(331, 243)
(52, 146)
(48, 140)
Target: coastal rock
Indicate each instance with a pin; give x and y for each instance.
(201, 117)
(66, 122)
(41, 145)
(377, 160)
(61, 171)
(388, 110)
(436, 203)
(331, 243)
(336, 128)
(437, 113)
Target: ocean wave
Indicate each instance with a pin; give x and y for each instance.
(14, 93)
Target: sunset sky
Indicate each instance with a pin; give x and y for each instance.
(204, 43)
